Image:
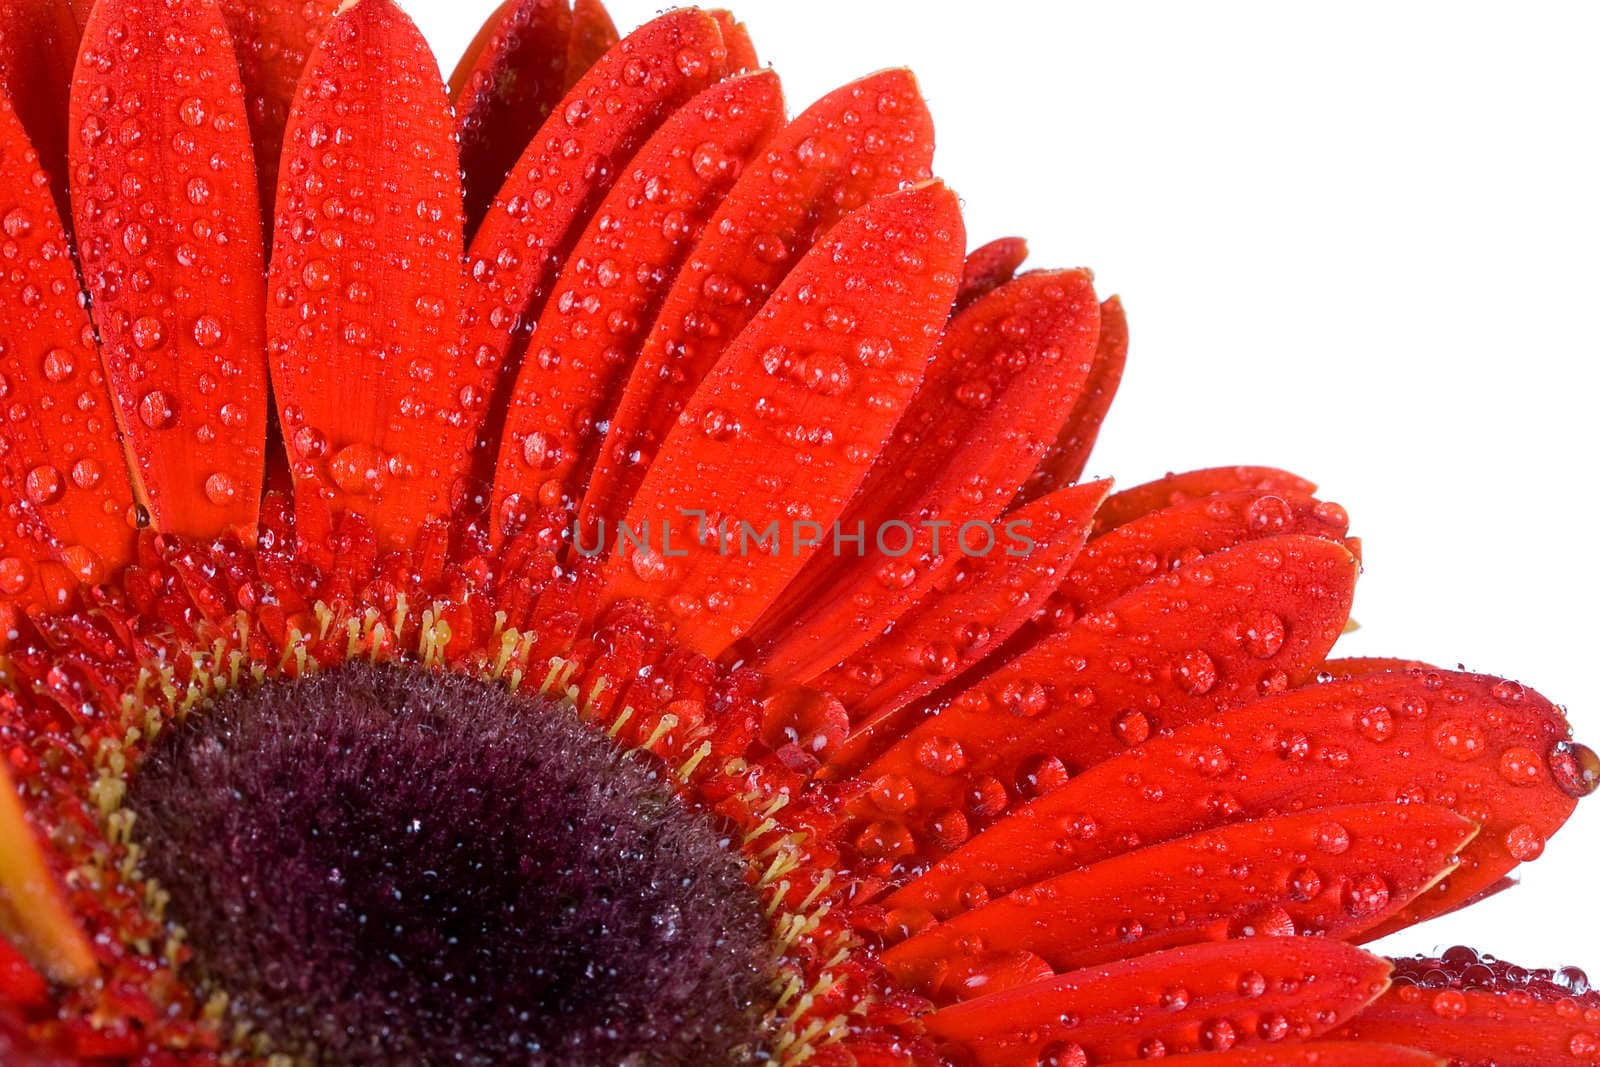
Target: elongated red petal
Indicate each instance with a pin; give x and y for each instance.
(593, 35)
(1311, 1054)
(863, 140)
(1480, 746)
(272, 40)
(1206, 998)
(563, 174)
(1067, 458)
(62, 460)
(788, 424)
(1481, 1012)
(1332, 873)
(964, 619)
(38, 47)
(1497, 752)
(366, 278)
(1170, 652)
(736, 38)
(1345, 667)
(506, 85)
(988, 267)
(170, 241)
(1127, 556)
(1004, 376)
(605, 299)
(1130, 504)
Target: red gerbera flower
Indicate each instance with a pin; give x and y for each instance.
(593, 577)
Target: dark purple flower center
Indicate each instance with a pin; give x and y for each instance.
(387, 865)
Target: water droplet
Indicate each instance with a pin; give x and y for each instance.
(540, 451)
(1024, 698)
(1375, 723)
(1269, 513)
(17, 223)
(59, 365)
(1332, 838)
(208, 331)
(157, 410)
(1575, 768)
(310, 443)
(719, 424)
(1366, 896)
(1459, 739)
(356, 468)
(1521, 766)
(1524, 843)
(1218, 1035)
(316, 274)
(1449, 1004)
(1197, 672)
(220, 489)
(1133, 727)
(15, 575)
(148, 334)
(135, 238)
(1063, 1054)
(44, 485)
(893, 793)
(1304, 884)
(1263, 633)
(86, 474)
(942, 755)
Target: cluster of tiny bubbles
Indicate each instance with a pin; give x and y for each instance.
(1464, 968)
(1446, 981)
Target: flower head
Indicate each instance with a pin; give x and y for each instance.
(575, 566)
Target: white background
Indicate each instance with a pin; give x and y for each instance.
(1362, 246)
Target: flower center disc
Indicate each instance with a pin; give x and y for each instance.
(386, 865)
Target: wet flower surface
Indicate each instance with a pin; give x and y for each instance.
(575, 566)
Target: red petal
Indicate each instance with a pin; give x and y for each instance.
(1141, 500)
(1173, 651)
(789, 422)
(38, 47)
(741, 49)
(975, 609)
(989, 267)
(62, 460)
(824, 164)
(1004, 376)
(1474, 744)
(170, 242)
(1331, 873)
(1314, 1054)
(505, 86)
(1346, 667)
(1204, 998)
(1067, 458)
(593, 35)
(562, 176)
(1501, 755)
(1485, 1028)
(606, 297)
(272, 39)
(366, 278)
(1127, 556)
